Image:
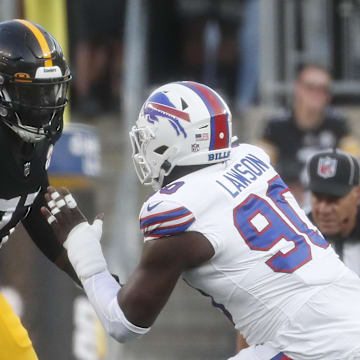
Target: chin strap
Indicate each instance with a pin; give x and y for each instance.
(25, 134)
(158, 183)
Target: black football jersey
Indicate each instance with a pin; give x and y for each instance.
(23, 183)
(295, 146)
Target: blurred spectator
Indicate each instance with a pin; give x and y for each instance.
(220, 45)
(307, 127)
(210, 41)
(98, 55)
(164, 41)
(248, 39)
(335, 198)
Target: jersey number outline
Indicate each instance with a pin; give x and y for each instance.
(9, 206)
(172, 188)
(261, 226)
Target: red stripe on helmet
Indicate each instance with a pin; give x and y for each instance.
(219, 116)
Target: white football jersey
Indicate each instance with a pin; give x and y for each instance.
(269, 258)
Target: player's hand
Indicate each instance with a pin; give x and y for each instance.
(62, 213)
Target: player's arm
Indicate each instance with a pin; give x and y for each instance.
(44, 237)
(162, 262)
(126, 311)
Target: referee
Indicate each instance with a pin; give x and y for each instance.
(335, 197)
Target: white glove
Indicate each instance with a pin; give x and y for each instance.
(84, 249)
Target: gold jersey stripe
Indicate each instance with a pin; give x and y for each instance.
(75, 182)
(41, 39)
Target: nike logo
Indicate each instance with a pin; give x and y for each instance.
(149, 208)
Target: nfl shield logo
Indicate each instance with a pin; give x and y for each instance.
(27, 169)
(195, 147)
(327, 167)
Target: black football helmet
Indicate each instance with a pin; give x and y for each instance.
(34, 79)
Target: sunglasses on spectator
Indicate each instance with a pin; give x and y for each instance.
(323, 88)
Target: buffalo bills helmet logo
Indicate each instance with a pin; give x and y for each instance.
(327, 167)
(159, 105)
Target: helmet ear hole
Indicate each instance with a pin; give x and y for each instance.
(161, 149)
(166, 165)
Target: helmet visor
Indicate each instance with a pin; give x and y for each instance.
(36, 102)
(41, 95)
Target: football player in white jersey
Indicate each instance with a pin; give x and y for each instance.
(223, 220)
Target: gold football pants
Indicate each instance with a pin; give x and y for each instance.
(15, 343)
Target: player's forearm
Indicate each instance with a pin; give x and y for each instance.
(102, 290)
(85, 254)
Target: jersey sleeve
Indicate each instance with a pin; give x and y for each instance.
(275, 127)
(40, 231)
(344, 127)
(338, 122)
(164, 218)
(270, 132)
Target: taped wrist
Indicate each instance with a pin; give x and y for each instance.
(84, 249)
(102, 290)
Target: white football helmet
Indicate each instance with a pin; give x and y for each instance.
(181, 123)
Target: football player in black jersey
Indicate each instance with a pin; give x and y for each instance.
(34, 78)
